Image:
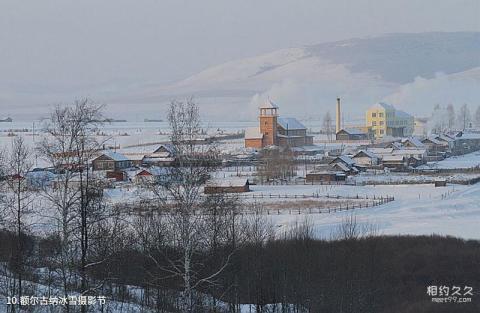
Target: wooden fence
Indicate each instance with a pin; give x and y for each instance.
(368, 201)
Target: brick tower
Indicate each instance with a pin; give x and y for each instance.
(268, 123)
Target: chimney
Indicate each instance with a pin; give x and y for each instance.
(337, 117)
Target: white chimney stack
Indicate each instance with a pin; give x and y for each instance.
(338, 117)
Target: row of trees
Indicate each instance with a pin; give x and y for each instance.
(445, 118)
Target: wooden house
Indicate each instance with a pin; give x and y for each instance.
(111, 161)
(397, 162)
(351, 134)
(365, 158)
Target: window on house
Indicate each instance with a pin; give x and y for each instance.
(381, 131)
(374, 123)
(381, 122)
(374, 114)
(380, 114)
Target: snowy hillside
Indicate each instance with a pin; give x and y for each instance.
(306, 80)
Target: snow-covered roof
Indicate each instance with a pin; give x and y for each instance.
(445, 138)
(253, 133)
(167, 146)
(156, 171)
(366, 153)
(229, 182)
(393, 158)
(269, 104)
(115, 156)
(341, 166)
(345, 159)
(354, 131)
(433, 140)
(135, 156)
(409, 151)
(290, 123)
(381, 150)
(414, 141)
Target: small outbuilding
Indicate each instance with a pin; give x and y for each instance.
(440, 182)
(325, 176)
(227, 186)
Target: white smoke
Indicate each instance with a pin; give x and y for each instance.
(420, 96)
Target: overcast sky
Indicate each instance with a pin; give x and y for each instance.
(63, 46)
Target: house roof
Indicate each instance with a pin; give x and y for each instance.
(290, 123)
(115, 156)
(353, 131)
(269, 104)
(230, 182)
(409, 151)
(345, 159)
(433, 140)
(253, 133)
(445, 138)
(341, 166)
(414, 141)
(381, 150)
(369, 154)
(155, 171)
(167, 146)
(393, 158)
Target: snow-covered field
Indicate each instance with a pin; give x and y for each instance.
(464, 161)
(417, 210)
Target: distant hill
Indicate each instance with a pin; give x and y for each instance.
(306, 80)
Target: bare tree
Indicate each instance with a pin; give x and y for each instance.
(327, 125)
(184, 228)
(74, 196)
(276, 163)
(477, 117)
(19, 198)
(464, 118)
(451, 116)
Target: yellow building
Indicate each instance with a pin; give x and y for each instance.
(384, 120)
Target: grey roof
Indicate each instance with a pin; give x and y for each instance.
(290, 123)
(168, 146)
(345, 159)
(414, 141)
(354, 131)
(115, 156)
(367, 153)
(432, 139)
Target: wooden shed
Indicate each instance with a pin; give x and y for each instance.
(227, 186)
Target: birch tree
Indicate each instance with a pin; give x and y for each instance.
(183, 229)
(74, 198)
(18, 205)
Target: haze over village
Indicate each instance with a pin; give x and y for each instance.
(247, 157)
